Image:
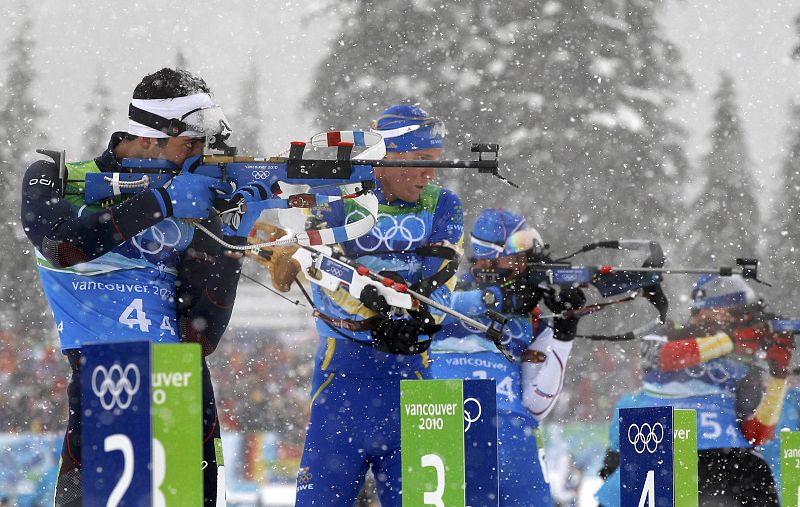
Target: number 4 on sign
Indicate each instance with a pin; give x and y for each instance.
(649, 490)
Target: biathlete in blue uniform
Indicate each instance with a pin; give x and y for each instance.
(366, 347)
(705, 366)
(133, 268)
(502, 245)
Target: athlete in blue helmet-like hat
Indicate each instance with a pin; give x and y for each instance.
(502, 244)
(713, 365)
(367, 347)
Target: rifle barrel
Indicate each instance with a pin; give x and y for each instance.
(722, 271)
(443, 164)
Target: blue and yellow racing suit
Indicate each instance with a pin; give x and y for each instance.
(355, 420)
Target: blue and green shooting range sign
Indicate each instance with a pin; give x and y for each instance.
(142, 424)
(115, 426)
(432, 440)
(684, 440)
(646, 457)
(177, 424)
(449, 443)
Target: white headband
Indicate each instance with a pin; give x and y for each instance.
(400, 131)
(176, 107)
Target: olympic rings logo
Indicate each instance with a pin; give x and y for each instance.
(121, 384)
(646, 437)
(261, 175)
(716, 372)
(407, 231)
(336, 271)
(157, 239)
(304, 476)
(468, 416)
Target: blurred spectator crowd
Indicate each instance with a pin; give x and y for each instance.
(33, 383)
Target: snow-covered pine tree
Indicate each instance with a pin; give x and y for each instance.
(95, 137)
(784, 265)
(727, 222)
(247, 124)
(574, 90)
(24, 307)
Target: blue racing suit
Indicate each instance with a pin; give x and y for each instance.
(123, 272)
(355, 392)
(712, 388)
(460, 352)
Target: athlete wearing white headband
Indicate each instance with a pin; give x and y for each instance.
(149, 238)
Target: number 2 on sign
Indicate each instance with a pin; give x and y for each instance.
(434, 497)
(122, 443)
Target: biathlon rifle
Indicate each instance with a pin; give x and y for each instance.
(612, 280)
(545, 275)
(291, 179)
(331, 270)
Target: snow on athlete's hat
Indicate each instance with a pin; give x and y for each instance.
(500, 232)
(713, 291)
(409, 128)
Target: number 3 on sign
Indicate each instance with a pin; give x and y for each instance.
(434, 497)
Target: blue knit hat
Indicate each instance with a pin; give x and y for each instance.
(409, 128)
(492, 229)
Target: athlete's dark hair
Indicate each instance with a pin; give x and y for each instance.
(169, 83)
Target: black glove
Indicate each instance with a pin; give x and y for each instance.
(572, 298)
(401, 336)
(520, 296)
(373, 300)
